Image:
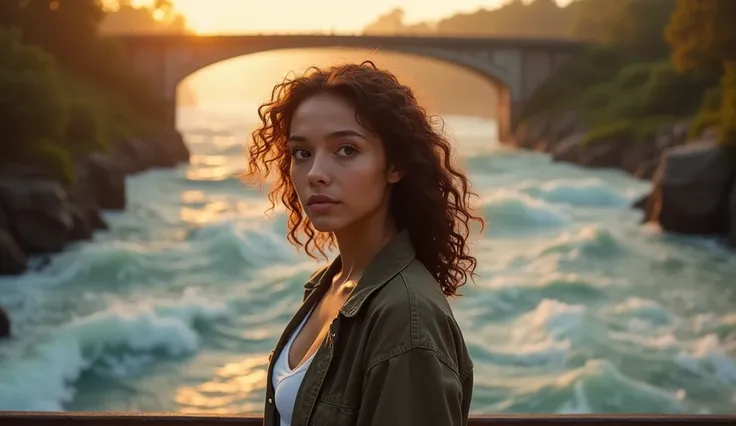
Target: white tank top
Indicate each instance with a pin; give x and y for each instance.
(286, 382)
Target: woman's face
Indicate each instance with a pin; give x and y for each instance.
(338, 167)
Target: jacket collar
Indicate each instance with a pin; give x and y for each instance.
(390, 260)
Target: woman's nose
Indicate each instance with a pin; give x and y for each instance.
(318, 172)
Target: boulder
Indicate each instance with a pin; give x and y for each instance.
(640, 158)
(13, 260)
(569, 149)
(5, 329)
(170, 149)
(166, 149)
(37, 212)
(692, 187)
(603, 154)
(732, 217)
(105, 179)
(545, 131)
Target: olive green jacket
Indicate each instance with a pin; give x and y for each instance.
(394, 356)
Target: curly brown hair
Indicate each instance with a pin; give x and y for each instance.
(431, 201)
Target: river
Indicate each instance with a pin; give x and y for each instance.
(578, 308)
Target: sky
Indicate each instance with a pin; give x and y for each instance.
(343, 16)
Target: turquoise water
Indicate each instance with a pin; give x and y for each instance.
(578, 309)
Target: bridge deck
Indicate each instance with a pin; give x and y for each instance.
(318, 40)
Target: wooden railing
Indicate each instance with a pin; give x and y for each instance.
(145, 419)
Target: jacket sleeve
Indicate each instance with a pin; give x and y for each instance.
(412, 389)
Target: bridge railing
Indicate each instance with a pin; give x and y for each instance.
(146, 419)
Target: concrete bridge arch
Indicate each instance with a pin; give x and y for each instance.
(514, 66)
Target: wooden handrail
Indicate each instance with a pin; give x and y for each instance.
(13, 418)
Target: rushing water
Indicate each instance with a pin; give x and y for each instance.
(578, 307)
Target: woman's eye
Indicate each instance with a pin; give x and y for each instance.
(300, 153)
(347, 150)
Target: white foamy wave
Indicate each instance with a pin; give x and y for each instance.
(509, 210)
(708, 358)
(591, 240)
(240, 243)
(551, 321)
(581, 192)
(42, 377)
(112, 261)
(599, 386)
(642, 313)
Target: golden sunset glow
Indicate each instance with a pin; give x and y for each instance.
(309, 16)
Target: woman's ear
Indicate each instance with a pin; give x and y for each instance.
(394, 175)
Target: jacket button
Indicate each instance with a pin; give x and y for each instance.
(270, 401)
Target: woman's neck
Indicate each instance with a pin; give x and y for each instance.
(360, 244)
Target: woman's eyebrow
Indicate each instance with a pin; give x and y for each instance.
(334, 135)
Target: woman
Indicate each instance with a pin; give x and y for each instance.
(360, 167)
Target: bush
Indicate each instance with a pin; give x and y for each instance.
(669, 92)
(626, 130)
(32, 107)
(85, 131)
(52, 158)
(704, 120)
(728, 109)
(596, 65)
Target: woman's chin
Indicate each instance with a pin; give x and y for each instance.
(326, 224)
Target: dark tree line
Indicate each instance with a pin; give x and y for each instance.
(65, 89)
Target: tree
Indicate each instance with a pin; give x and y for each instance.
(33, 113)
(31, 98)
(702, 34)
(123, 18)
(635, 25)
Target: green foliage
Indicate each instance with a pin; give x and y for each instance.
(598, 64)
(63, 28)
(702, 34)
(626, 130)
(634, 25)
(86, 129)
(53, 158)
(727, 133)
(65, 91)
(68, 30)
(31, 100)
(642, 92)
(704, 120)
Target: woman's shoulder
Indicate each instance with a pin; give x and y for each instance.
(413, 300)
(412, 312)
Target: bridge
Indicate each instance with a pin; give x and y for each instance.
(514, 66)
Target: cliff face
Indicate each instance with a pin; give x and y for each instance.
(693, 190)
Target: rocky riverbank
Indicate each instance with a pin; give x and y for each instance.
(693, 180)
(39, 215)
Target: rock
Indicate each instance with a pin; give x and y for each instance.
(732, 216)
(692, 187)
(605, 154)
(37, 212)
(567, 124)
(641, 203)
(545, 131)
(532, 131)
(171, 149)
(5, 329)
(166, 149)
(82, 227)
(39, 215)
(12, 259)
(106, 180)
(640, 159)
(133, 155)
(568, 150)
(680, 133)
